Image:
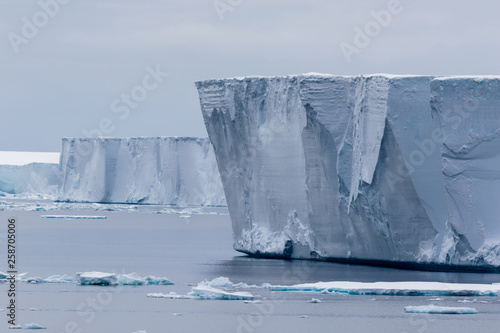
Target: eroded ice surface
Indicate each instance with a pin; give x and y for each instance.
(353, 168)
(395, 288)
(434, 309)
(162, 170)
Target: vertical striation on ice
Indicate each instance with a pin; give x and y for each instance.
(337, 167)
(163, 170)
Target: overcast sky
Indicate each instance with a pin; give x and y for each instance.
(82, 67)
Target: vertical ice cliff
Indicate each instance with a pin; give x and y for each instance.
(333, 167)
(165, 170)
(31, 178)
(467, 113)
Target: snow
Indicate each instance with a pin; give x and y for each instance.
(160, 170)
(319, 166)
(434, 309)
(29, 173)
(405, 288)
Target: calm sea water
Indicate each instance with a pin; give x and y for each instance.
(188, 251)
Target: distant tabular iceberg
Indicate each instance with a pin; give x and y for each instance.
(163, 170)
(381, 169)
(28, 173)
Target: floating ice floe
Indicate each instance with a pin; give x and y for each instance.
(31, 326)
(74, 217)
(434, 309)
(224, 282)
(96, 279)
(314, 300)
(132, 279)
(205, 292)
(395, 288)
(50, 279)
(471, 301)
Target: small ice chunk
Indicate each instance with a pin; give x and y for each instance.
(207, 292)
(16, 327)
(304, 316)
(185, 216)
(162, 281)
(96, 279)
(314, 300)
(140, 331)
(170, 295)
(434, 309)
(176, 314)
(74, 217)
(34, 326)
(132, 279)
(257, 301)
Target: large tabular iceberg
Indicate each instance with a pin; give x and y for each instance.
(29, 173)
(351, 169)
(162, 170)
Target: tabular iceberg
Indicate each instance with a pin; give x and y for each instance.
(163, 170)
(29, 173)
(338, 168)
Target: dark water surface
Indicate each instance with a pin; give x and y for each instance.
(188, 251)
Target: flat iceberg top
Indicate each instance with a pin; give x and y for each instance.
(27, 157)
(468, 77)
(137, 138)
(306, 75)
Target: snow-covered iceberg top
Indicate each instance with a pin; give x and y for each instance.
(368, 169)
(159, 170)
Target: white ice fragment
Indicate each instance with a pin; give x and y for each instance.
(257, 301)
(96, 278)
(314, 300)
(434, 309)
(34, 326)
(16, 327)
(207, 292)
(74, 217)
(154, 280)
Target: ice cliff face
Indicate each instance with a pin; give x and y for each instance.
(166, 170)
(342, 168)
(467, 111)
(31, 178)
